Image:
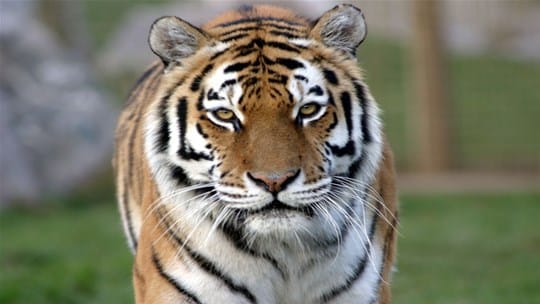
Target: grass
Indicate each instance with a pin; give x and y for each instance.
(473, 248)
(71, 252)
(469, 249)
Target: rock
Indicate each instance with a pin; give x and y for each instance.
(56, 125)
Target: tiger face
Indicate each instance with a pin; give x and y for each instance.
(260, 132)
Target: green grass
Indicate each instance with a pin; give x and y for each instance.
(71, 252)
(469, 249)
(453, 249)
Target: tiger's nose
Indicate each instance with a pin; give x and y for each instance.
(273, 182)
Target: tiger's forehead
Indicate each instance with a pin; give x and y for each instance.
(259, 79)
(279, 21)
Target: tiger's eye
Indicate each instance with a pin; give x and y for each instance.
(309, 109)
(224, 114)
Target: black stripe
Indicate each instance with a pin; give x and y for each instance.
(287, 35)
(185, 151)
(196, 83)
(181, 289)
(258, 20)
(289, 27)
(301, 78)
(355, 166)
(291, 64)
(211, 95)
(254, 45)
(348, 149)
(360, 267)
(361, 96)
(346, 103)
(282, 46)
(178, 174)
(266, 60)
(200, 130)
(208, 266)
(281, 79)
(234, 37)
(244, 51)
(334, 122)
(331, 99)
(251, 81)
(276, 91)
(246, 29)
(227, 83)
(290, 97)
(200, 101)
(317, 90)
(163, 133)
(330, 76)
(238, 30)
(237, 67)
(271, 71)
(182, 115)
(259, 42)
(218, 54)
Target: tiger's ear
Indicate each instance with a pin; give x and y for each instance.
(342, 27)
(174, 39)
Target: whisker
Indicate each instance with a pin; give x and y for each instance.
(223, 214)
(184, 204)
(355, 185)
(163, 217)
(329, 219)
(156, 203)
(373, 208)
(360, 193)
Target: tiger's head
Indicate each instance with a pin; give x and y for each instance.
(263, 125)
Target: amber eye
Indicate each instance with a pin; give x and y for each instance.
(309, 110)
(224, 114)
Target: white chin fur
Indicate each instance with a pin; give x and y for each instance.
(277, 223)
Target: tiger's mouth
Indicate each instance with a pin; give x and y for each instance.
(278, 208)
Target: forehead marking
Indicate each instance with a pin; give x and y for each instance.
(196, 83)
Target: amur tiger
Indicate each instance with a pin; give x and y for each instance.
(252, 167)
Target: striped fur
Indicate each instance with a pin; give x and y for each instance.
(251, 166)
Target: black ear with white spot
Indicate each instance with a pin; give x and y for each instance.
(342, 27)
(174, 39)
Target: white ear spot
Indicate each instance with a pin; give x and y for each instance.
(342, 27)
(174, 39)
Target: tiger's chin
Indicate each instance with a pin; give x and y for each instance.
(278, 222)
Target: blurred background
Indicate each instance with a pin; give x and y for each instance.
(458, 82)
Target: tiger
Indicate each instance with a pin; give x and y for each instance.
(251, 163)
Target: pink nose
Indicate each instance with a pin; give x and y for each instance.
(273, 182)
